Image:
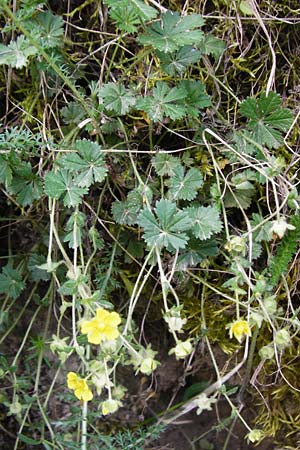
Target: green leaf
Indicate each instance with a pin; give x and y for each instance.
(5, 170)
(61, 184)
(126, 212)
(74, 228)
(178, 61)
(163, 103)
(267, 120)
(196, 97)
(184, 186)
(73, 113)
(36, 273)
(205, 221)
(210, 45)
(241, 194)
(165, 164)
(47, 29)
(263, 232)
(88, 163)
(16, 53)
(173, 32)
(11, 282)
(196, 252)
(116, 98)
(26, 185)
(168, 228)
(126, 18)
(145, 11)
(129, 14)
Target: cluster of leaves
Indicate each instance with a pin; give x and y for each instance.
(172, 202)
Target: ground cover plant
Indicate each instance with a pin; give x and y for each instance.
(149, 224)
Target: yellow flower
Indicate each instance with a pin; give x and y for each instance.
(104, 327)
(239, 329)
(80, 387)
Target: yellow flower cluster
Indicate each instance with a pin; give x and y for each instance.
(80, 387)
(104, 327)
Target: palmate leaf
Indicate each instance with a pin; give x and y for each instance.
(178, 61)
(164, 102)
(205, 221)
(196, 252)
(88, 163)
(128, 14)
(26, 185)
(126, 18)
(61, 184)
(242, 191)
(116, 98)
(173, 32)
(196, 97)
(267, 120)
(184, 186)
(167, 227)
(165, 164)
(210, 45)
(126, 212)
(16, 53)
(11, 282)
(47, 28)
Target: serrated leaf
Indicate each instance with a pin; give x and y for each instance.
(88, 163)
(47, 28)
(210, 45)
(173, 32)
(61, 184)
(11, 282)
(178, 61)
(184, 186)
(5, 170)
(267, 120)
(26, 185)
(126, 18)
(165, 164)
(126, 212)
(163, 103)
(241, 195)
(74, 228)
(263, 232)
(128, 14)
(116, 98)
(167, 228)
(205, 221)
(196, 252)
(73, 113)
(196, 97)
(16, 53)
(36, 273)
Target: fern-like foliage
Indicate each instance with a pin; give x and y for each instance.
(285, 251)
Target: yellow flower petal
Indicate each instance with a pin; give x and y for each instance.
(101, 314)
(114, 319)
(72, 380)
(82, 391)
(87, 395)
(95, 337)
(239, 329)
(111, 333)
